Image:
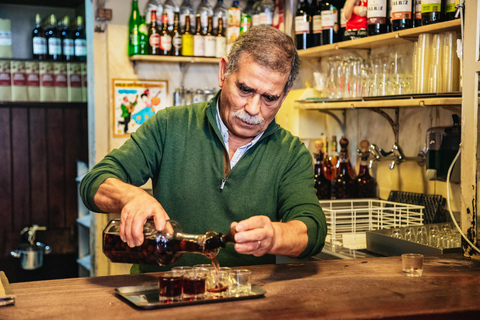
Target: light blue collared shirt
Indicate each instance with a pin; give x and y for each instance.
(241, 150)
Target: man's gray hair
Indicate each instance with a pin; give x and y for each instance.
(268, 47)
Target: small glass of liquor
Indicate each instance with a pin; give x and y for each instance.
(412, 264)
(170, 286)
(240, 282)
(194, 284)
(218, 283)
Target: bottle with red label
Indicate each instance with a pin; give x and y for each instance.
(330, 26)
(377, 17)
(165, 37)
(153, 34)
(39, 42)
(402, 14)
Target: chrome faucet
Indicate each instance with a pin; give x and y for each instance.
(396, 156)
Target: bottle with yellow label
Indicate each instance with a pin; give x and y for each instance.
(187, 38)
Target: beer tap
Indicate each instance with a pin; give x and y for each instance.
(396, 156)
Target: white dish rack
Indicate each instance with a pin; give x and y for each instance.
(348, 220)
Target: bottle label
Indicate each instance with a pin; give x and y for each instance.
(302, 25)
(5, 38)
(210, 46)
(255, 20)
(54, 46)
(317, 23)
(266, 18)
(246, 23)
(134, 37)
(450, 6)
(80, 47)
(46, 80)
(60, 81)
(232, 34)
(19, 79)
(187, 45)
(401, 9)
(166, 42)
(221, 47)
(68, 47)
(177, 42)
(418, 9)
(377, 12)
(429, 6)
(33, 80)
(198, 46)
(154, 40)
(234, 15)
(39, 45)
(329, 19)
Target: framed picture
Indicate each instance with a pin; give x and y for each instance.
(134, 101)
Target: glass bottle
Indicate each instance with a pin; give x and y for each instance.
(176, 36)
(344, 183)
(221, 40)
(153, 34)
(365, 183)
(205, 10)
(322, 184)
(233, 24)
(187, 8)
(219, 11)
(418, 13)
(133, 34)
(39, 41)
(54, 47)
(256, 13)
(163, 248)
(153, 5)
(143, 36)
(165, 37)
(450, 10)
(331, 159)
(246, 18)
(303, 36)
(266, 12)
(210, 40)
(431, 12)
(402, 14)
(187, 38)
(68, 53)
(377, 14)
(316, 29)
(170, 7)
(80, 41)
(198, 39)
(329, 22)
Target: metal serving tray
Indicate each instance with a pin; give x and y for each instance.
(146, 297)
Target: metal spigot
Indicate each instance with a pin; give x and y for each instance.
(373, 149)
(396, 156)
(31, 232)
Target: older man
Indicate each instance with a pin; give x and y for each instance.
(221, 163)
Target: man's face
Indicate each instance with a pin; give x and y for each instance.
(250, 97)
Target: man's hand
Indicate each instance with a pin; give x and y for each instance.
(135, 206)
(258, 235)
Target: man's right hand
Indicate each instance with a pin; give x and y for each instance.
(135, 206)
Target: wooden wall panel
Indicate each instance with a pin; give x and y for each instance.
(5, 176)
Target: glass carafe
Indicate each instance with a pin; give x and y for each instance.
(163, 248)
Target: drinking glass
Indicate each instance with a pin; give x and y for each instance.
(240, 282)
(218, 283)
(412, 264)
(422, 235)
(433, 234)
(194, 284)
(320, 83)
(396, 233)
(410, 234)
(170, 286)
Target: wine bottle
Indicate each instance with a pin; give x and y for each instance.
(377, 13)
(365, 183)
(329, 22)
(68, 49)
(54, 47)
(187, 38)
(402, 14)
(316, 29)
(331, 159)
(133, 33)
(450, 10)
(344, 183)
(418, 13)
(303, 36)
(80, 41)
(431, 11)
(153, 34)
(322, 184)
(39, 41)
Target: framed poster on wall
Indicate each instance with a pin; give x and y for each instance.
(134, 101)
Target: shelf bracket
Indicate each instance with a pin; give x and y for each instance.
(341, 122)
(393, 123)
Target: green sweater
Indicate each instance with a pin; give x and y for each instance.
(182, 151)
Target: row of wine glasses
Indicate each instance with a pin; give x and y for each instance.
(439, 236)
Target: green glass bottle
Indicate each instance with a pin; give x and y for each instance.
(143, 36)
(133, 30)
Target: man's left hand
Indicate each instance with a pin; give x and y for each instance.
(254, 235)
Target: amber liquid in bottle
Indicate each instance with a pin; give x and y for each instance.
(322, 184)
(344, 183)
(176, 36)
(153, 35)
(165, 37)
(365, 183)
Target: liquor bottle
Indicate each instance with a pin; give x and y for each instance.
(143, 36)
(377, 17)
(344, 183)
(133, 34)
(162, 248)
(431, 12)
(176, 36)
(329, 22)
(450, 10)
(170, 7)
(187, 8)
(54, 47)
(153, 34)
(256, 13)
(266, 12)
(246, 17)
(303, 36)
(39, 41)
(221, 45)
(210, 40)
(80, 41)
(316, 29)
(418, 13)
(68, 51)
(219, 11)
(198, 39)
(187, 38)
(402, 14)
(233, 24)
(322, 184)
(153, 5)
(205, 10)
(165, 37)
(365, 183)
(330, 160)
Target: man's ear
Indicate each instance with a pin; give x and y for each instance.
(222, 70)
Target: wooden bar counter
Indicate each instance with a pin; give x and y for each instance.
(337, 289)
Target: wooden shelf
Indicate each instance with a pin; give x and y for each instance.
(388, 103)
(46, 3)
(381, 40)
(150, 58)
